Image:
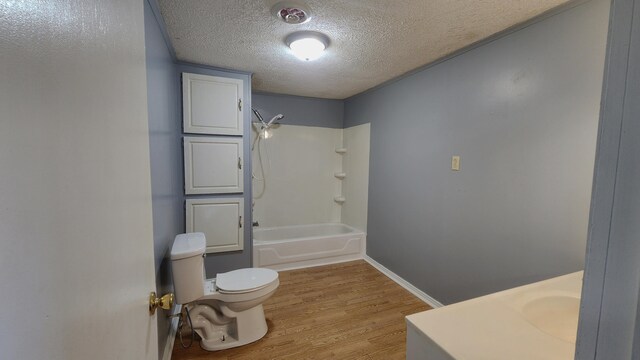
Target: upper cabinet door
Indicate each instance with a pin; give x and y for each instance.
(212, 165)
(211, 104)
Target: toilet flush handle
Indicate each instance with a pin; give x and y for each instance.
(165, 302)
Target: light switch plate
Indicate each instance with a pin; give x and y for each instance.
(455, 163)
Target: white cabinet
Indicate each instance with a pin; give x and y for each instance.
(211, 104)
(220, 219)
(212, 165)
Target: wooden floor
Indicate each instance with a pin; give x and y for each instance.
(342, 311)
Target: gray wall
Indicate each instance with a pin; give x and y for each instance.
(522, 113)
(609, 314)
(300, 110)
(165, 145)
(228, 261)
(164, 93)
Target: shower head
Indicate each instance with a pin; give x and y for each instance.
(275, 118)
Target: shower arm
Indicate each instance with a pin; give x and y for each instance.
(264, 124)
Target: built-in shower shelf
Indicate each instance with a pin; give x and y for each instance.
(339, 199)
(340, 175)
(341, 151)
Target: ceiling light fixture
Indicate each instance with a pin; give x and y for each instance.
(307, 45)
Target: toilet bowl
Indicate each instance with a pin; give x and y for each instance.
(225, 311)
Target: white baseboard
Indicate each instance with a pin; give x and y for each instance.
(404, 283)
(173, 331)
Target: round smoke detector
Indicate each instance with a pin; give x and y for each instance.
(291, 12)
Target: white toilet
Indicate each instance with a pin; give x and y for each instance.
(226, 311)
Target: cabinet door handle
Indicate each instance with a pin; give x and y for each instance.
(240, 222)
(240, 163)
(239, 104)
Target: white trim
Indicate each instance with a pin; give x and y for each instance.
(404, 283)
(173, 330)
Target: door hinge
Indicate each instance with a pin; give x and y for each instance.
(240, 163)
(239, 104)
(240, 221)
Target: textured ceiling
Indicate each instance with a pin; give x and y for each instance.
(372, 41)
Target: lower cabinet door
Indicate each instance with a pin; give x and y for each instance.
(220, 219)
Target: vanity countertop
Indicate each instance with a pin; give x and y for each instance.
(535, 321)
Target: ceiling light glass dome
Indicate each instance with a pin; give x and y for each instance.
(307, 45)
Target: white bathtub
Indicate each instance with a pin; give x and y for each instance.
(293, 247)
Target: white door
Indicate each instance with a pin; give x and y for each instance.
(220, 219)
(76, 257)
(212, 165)
(211, 104)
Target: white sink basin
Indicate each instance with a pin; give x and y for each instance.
(530, 322)
(555, 315)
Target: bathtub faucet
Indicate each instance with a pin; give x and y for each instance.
(255, 223)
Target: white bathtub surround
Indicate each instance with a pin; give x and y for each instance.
(300, 246)
(300, 171)
(536, 321)
(299, 165)
(355, 166)
(311, 189)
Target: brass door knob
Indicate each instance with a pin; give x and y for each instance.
(165, 302)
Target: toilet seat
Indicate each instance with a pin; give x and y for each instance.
(245, 280)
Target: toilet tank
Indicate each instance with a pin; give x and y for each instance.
(187, 266)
